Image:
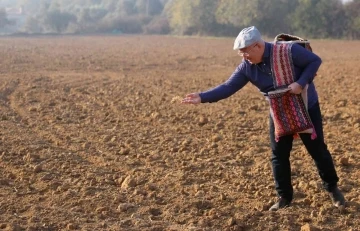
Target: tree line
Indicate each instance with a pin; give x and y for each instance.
(305, 18)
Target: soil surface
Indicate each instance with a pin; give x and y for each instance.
(93, 137)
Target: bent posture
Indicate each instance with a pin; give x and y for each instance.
(257, 66)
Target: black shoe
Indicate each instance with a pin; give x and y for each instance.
(280, 204)
(337, 197)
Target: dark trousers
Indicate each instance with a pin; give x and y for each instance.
(316, 148)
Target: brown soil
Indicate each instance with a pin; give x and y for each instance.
(93, 137)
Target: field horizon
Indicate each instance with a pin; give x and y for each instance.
(93, 137)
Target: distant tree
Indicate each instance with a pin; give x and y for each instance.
(158, 25)
(84, 20)
(110, 5)
(149, 7)
(271, 17)
(58, 21)
(32, 25)
(319, 18)
(192, 16)
(42, 10)
(95, 2)
(4, 21)
(97, 13)
(126, 7)
(33, 7)
(306, 18)
(274, 17)
(55, 5)
(352, 10)
(164, 2)
(239, 13)
(84, 16)
(129, 25)
(88, 18)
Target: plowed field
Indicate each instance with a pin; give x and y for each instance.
(93, 137)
